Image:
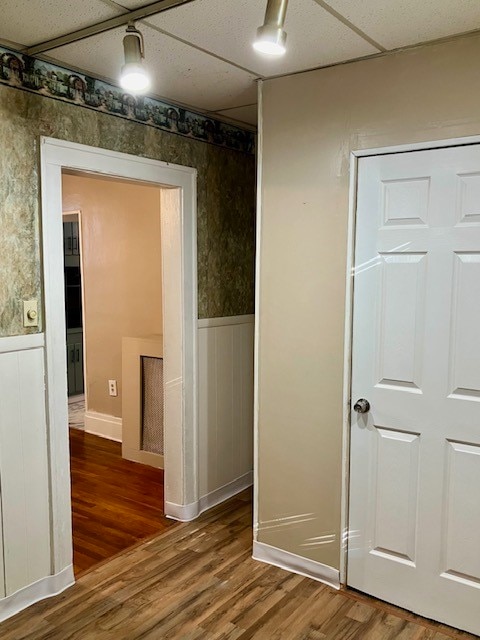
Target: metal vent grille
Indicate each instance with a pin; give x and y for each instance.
(152, 405)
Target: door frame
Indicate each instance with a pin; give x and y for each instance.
(355, 155)
(181, 354)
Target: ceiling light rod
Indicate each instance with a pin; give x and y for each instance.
(105, 25)
(133, 44)
(271, 38)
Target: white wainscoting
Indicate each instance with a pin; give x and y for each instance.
(225, 389)
(24, 471)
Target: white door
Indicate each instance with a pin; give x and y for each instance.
(415, 455)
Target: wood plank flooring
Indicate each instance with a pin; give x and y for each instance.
(197, 581)
(115, 502)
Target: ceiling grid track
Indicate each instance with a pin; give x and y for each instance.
(206, 51)
(105, 25)
(350, 25)
(240, 106)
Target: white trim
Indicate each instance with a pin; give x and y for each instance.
(181, 479)
(22, 343)
(256, 351)
(297, 564)
(206, 323)
(417, 146)
(347, 369)
(103, 425)
(347, 374)
(111, 157)
(44, 588)
(188, 512)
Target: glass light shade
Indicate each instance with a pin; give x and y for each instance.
(134, 77)
(270, 40)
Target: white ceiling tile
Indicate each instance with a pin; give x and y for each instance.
(29, 22)
(179, 72)
(228, 27)
(404, 22)
(247, 113)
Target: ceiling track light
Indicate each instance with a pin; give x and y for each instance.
(134, 77)
(271, 37)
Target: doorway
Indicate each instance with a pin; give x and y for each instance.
(178, 206)
(414, 511)
(113, 295)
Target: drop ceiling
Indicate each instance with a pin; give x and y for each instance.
(200, 54)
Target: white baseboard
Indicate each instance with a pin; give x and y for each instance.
(101, 424)
(44, 588)
(188, 512)
(182, 512)
(296, 564)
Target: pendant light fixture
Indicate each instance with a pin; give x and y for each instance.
(271, 37)
(134, 77)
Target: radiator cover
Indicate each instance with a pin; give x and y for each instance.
(152, 405)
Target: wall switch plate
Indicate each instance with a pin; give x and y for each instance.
(112, 388)
(30, 313)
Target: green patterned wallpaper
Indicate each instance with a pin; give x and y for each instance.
(226, 200)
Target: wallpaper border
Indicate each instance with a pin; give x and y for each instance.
(50, 80)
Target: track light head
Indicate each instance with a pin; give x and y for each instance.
(270, 40)
(271, 37)
(134, 77)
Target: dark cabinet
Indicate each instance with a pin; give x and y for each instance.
(73, 308)
(75, 362)
(71, 242)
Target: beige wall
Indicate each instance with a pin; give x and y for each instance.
(311, 123)
(122, 276)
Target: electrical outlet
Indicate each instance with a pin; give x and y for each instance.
(112, 388)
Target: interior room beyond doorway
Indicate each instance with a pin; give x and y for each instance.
(115, 293)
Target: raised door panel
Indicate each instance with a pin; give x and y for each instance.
(401, 321)
(461, 548)
(465, 334)
(405, 202)
(396, 495)
(468, 210)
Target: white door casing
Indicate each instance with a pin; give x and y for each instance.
(414, 516)
(180, 327)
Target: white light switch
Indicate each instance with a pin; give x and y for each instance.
(30, 313)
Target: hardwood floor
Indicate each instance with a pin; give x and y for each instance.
(197, 581)
(115, 502)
